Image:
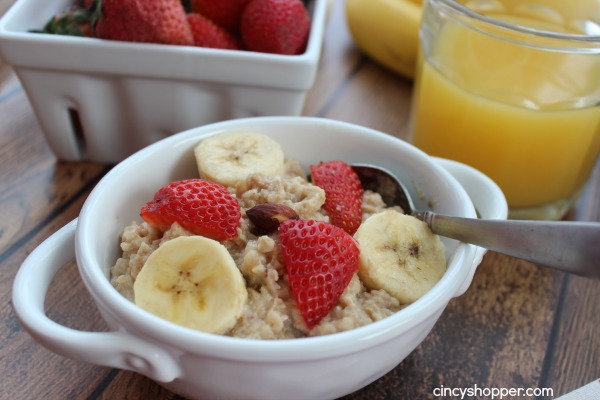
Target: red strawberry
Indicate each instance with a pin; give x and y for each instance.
(320, 260)
(275, 26)
(150, 21)
(200, 206)
(208, 34)
(343, 193)
(226, 13)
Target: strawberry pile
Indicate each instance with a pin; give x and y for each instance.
(268, 26)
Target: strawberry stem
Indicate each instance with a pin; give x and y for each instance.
(74, 21)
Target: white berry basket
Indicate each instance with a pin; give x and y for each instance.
(102, 100)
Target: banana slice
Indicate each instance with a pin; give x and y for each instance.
(192, 281)
(400, 254)
(229, 158)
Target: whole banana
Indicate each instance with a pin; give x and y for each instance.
(387, 31)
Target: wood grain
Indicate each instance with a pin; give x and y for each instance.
(517, 326)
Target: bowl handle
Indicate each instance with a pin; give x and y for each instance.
(115, 349)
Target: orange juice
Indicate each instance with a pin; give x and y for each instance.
(527, 116)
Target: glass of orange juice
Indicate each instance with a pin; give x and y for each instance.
(512, 88)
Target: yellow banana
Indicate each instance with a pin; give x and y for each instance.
(387, 31)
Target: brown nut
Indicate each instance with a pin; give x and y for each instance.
(267, 216)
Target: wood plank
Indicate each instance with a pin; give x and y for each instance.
(574, 356)
(35, 185)
(5, 5)
(348, 81)
(129, 385)
(378, 88)
(339, 58)
(28, 369)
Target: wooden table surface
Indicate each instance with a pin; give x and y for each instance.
(518, 326)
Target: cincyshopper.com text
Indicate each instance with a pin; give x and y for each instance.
(476, 392)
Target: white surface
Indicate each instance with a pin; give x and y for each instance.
(200, 365)
(591, 391)
(129, 95)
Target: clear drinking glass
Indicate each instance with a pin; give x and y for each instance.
(512, 88)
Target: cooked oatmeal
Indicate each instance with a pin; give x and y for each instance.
(270, 312)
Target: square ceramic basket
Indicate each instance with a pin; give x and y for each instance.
(101, 100)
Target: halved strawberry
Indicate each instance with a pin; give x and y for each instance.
(320, 260)
(343, 193)
(200, 206)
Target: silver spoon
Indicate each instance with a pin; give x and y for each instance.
(572, 247)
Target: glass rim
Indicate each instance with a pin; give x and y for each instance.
(573, 37)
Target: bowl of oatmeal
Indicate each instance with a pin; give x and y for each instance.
(265, 337)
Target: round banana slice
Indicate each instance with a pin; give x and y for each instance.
(229, 158)
(399, 254)
(192, 281)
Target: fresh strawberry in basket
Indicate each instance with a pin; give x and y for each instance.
(225, 13)
(268, 26)
(275, 26)
(150, 21)
(320, 260)
(208, 34)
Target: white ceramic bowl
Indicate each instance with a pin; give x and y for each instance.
(101, 100)
(200, 365)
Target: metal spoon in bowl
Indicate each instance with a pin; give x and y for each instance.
(572, 247)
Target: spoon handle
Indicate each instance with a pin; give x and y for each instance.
(572, 247)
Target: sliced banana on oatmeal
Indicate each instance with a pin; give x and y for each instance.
(230, 157)
(400, 254)
(192, 281)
